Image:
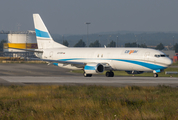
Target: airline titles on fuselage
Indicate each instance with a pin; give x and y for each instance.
(131, 51)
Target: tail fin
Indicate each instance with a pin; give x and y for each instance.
(44, 39)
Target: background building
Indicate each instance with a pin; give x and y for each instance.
(170, 53)
(20, 40)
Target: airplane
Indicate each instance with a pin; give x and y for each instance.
(97, 60)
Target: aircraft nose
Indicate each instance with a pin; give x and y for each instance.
(169, 62)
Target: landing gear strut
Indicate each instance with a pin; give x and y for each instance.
(87, 75)
(155, 75)
(110, 74)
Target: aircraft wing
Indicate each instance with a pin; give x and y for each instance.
(77, 64)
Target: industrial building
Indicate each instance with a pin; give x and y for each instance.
(169, 53)
(20, 40)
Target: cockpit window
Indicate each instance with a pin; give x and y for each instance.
(162, 55)
(157, 55)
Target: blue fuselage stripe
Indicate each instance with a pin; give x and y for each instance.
(144, 64)
(43, 34)
(151, 66)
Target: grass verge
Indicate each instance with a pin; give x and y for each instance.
(88, 102)
(22, 61)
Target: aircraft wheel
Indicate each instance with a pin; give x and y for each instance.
(87, 75)
(110, 74)
(155, 75)
(107, 74)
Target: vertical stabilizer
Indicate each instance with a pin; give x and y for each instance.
(44, 39)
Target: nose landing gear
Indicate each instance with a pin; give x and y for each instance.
(155, 75)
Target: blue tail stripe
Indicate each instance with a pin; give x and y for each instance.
(43, 34)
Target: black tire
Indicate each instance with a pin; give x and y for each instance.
(87, 75)
(112, 74)
(155, 75)
(107, 74)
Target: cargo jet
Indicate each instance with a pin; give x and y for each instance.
(97, 60)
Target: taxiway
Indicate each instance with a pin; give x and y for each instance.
(25, 74)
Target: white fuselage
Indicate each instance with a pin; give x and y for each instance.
(97, 60)
(127, 59)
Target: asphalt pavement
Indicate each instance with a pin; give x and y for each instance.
(27, 74)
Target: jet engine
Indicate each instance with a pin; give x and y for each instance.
(94, 68)
(134, 72)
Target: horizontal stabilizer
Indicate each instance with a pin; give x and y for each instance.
(27, 50)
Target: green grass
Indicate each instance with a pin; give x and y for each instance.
(175, 64)
(123, 73)
(22, 61)
(88, 103)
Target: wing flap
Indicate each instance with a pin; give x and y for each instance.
(76, 64)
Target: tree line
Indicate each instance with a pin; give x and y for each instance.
(81, 43)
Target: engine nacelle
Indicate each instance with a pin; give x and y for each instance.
(94, 68)
(134, 72)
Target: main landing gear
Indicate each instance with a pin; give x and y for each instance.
(155, 75)
(87, 75)
(110, 74)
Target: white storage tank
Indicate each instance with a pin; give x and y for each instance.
(21, 40)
